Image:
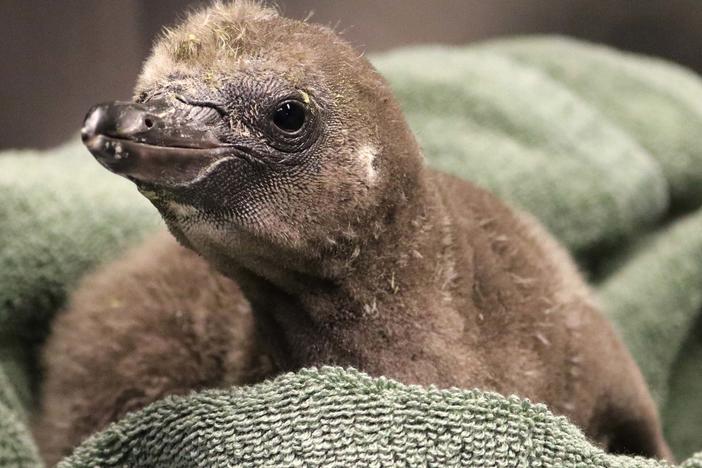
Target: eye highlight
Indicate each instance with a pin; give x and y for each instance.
(290, 116)
(291, 124)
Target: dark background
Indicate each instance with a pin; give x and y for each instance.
(60, 57)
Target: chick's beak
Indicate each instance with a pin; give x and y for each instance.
(155, 142)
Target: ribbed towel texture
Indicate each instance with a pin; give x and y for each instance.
(341, 418)
(604, 147)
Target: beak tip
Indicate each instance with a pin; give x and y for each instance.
(85, 135)
(93, 123)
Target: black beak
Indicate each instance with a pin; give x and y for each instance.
(158, 142)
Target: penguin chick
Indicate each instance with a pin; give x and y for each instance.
(156, 322)
(279, 154)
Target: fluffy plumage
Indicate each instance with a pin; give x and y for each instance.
(156, 322)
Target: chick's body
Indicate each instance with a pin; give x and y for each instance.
(293, 172)
(156, 322)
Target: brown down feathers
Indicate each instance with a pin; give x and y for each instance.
(380, 263)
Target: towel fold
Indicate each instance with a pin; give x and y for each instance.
(336, 417)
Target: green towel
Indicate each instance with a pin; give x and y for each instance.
(660, 288)
(656, 102)
(16, 446)
(332, 417)
(600, 145)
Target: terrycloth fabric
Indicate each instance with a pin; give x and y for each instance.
(656, 297)
(656, 102)
(336, 418)
(601, 146)
(16, 445)
(682, 412)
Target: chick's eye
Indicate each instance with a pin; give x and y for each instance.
(289, 116)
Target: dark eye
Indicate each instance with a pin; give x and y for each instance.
(290, 116)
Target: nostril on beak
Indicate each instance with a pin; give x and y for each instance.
(117, 120)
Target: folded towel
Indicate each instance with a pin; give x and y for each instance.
(655, 298)
(16, 446)
(656, 102)
(600, 145)
(682, 414)
(333, 417)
